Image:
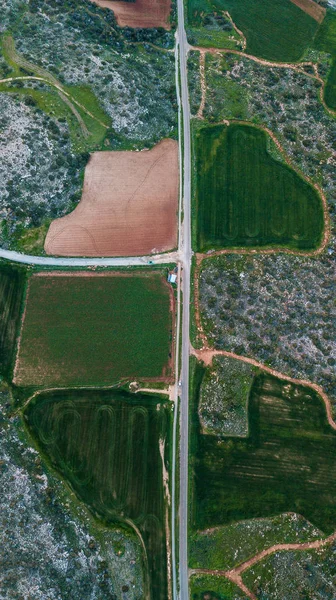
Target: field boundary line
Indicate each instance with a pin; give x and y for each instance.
(299, 172)
(22, 321)
(237, 30)
(203, 86)
(146, 575)
(69, 388)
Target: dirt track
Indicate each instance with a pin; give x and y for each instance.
(128, 206)
(299, 67)
(141, 13)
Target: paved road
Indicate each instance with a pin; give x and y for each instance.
(186, 253)
(51, 261)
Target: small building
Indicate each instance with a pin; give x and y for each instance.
(172, 277)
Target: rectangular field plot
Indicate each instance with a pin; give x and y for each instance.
(286, 464)
(244, 197)
(112, 447)
(95, 329)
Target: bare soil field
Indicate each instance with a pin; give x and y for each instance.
(141, 13)
(312, 9)
(128, 207)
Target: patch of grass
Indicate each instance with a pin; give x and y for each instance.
(246, 198)
(95, 329)
(224, 397)
(225, 98)
(326, 41)
(214, 587)
(112, 448)
(12, 286)
(274, 29)
(287, 463)
(213, 29)
(31, 241)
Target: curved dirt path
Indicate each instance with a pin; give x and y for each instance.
(206, 355)
(235, 575)
(46, 77)
(237, 30)
(299, 67)
(65, 96)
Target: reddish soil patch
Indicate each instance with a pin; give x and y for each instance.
(128, 206)
(141, 13)
(312, 9)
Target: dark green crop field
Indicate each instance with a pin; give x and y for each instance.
(96, 329)
(12, 284)
(246, 198)
(112, 447)
(274, 29)
(286, 464)
(325, 41)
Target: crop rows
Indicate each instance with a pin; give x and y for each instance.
(246, 198)
(285, 464)
(107, 446)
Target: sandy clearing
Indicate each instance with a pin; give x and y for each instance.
(128, 207)
(141, 13)
(312, 9)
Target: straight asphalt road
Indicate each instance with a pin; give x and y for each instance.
(186, 254)
(54, 261)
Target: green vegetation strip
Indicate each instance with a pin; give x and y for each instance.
(214, 587)
(274, 29)
(95, 329)
(325, 41)
(110, 447)
(12, 286)
(287, 463)
(246, 198)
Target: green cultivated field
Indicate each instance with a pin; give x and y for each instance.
(110, 447)
(95, 329)
(246, 198)
(287, 463)
(12, 283)
(274, 29)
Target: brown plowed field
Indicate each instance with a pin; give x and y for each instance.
(312, 9)
(141, 13)
(128, 206)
